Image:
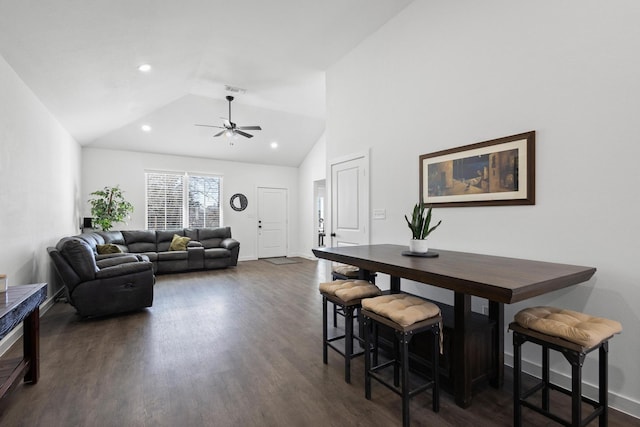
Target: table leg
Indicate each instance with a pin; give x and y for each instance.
(395, 285)
(31, 345)
(496, 314)
(462, 345)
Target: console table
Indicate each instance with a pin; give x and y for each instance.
(500, 280)
(21, 304)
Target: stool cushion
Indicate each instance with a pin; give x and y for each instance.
(350, 271)
(403, 309)
(348, 290)
(582, 329)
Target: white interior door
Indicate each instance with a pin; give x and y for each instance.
(272, 222)
(350, 202)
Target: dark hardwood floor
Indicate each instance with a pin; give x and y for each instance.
(234, 347)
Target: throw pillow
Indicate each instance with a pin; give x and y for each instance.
(108, 249)
(179, 243)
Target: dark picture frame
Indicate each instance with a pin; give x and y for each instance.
(497, 172)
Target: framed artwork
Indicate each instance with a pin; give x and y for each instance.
(490, 173)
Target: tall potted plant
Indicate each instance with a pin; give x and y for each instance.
(420, 228)
(109, 206)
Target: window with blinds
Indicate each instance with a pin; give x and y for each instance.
(181, 200)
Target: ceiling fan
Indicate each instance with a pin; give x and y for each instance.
(229, 128)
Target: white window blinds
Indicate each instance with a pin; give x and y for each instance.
(204, 201)
(171, 195)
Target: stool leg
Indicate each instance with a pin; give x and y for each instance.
(324, 330)
(576, 394)
(545, 378)
(375, 344)
(367, 357)
(603, 383)
(404, 367)
(435, 366)
(348, 342)
(396, 362)
(335, 316)
(517, 409)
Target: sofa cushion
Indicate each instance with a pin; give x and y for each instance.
(114, 237)
(110, 262)
(172, 256)
(179, 243)
(140, 240)
(191, 233)
(212, 237)
(165, 237)
(216, 253)
(108, 249)
(80, 257)
(93, 239)
(151, 256)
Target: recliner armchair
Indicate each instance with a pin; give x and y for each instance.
(108, 286)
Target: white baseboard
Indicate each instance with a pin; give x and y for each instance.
(616, 401)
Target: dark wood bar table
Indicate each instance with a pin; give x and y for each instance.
(500, 280)
(21, 304)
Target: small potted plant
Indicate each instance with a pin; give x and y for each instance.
(420, 228)
(109, 206)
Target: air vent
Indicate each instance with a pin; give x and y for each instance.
(234, 89)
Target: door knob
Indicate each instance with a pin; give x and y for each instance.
(333, 234)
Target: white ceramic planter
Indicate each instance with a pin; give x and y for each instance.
(418, 246)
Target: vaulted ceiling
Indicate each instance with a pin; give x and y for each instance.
(81, 59)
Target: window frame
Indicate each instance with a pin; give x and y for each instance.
(185, 196)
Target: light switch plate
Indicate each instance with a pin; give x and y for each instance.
(379, 214)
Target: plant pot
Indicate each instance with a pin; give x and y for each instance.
(418, 246)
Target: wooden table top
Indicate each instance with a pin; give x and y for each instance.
(17, 302)
(501, 279)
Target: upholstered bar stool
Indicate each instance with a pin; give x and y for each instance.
(408, 316)
(342, 272)
(345, 294)
(345, 272)
(573, 334)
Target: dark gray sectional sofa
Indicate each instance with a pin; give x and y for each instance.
(102, 284)
(209, 248)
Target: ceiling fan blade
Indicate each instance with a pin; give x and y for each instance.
(219, 133)
(243, 133)
(249, 127)
(210, 126)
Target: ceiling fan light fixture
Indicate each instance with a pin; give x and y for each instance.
(229, 128)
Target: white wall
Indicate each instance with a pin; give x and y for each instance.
(102, 168)
(39, 186)
(444, 74)
(39, 182)
(312, 168)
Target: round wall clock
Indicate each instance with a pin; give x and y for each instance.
(238, 202)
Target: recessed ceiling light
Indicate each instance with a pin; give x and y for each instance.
(274, 145)
(146, 128)
(145, 68)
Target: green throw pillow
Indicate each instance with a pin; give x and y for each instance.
(108, 249)
(179, 243)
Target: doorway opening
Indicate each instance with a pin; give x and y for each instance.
(319, 215)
